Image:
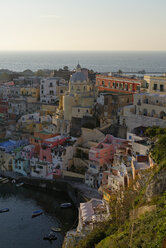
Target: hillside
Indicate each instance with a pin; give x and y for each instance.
(138, 215)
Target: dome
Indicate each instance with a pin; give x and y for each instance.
(78, 76)
(78, 66)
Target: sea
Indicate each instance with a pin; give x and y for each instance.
(98, 61)
(17, 227)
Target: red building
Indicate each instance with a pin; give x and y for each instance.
(3, 106)
(47, 145)
(105, 82)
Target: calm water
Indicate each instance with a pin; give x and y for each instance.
(19, 230)
(98, 61)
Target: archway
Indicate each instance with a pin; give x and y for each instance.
(162, 114)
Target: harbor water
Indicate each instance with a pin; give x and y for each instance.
(17, 227)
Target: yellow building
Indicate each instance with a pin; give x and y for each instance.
(30, 91)
(78, 101)
(156, 84)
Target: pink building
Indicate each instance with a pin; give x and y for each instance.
(103, 153)
(48, 144)
(27, 152)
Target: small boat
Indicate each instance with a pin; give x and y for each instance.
(55, 229)
(50, 237)
(5, 181)
(19, 184)
(4, 210)
(66, 205)
(36, 213)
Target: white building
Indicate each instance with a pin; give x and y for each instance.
(48, 89)
(41, 169)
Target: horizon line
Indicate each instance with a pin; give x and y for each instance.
(82, 51)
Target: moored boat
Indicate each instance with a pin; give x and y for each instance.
(55, 229)
(19, 184)
(50, 237)
(5, 181)
(66, 205)
(3, 210)
(36, 213)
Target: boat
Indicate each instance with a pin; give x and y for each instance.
(5, 181)
(55, 229)
(19, 184)
(50, 237)
(36, 213)
(66, 205)
(4, 210)
(13, 181)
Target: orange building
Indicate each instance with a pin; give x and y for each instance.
(106, 82)
(38, 137)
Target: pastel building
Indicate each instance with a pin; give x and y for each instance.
(21, 166)
(48, 89)
(9, 146)
(123, 84)
(139, 163)
(149, 109)
(41, 169)
(76, 103)
(48, 144)
(21, 161)
(38, 137)
(156, 84)
(100, 159)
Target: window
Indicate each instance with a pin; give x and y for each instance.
(138, 88)
(61, 91)
(103, 83)
(78, 110)
(161, 87)
(50, 84)
(51, 92)
(113, 84)
(42, 87)
(155, 86)
(131, 87)
(87, 111)
(121, 85)
(126, 86)
(117, 85)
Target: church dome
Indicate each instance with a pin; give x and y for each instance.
(78, 66)
(78, 76)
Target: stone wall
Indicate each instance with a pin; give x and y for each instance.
(132, 121)
(157, 185)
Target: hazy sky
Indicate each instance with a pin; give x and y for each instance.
(82, 25)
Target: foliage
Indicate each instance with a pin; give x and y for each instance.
(149, 230)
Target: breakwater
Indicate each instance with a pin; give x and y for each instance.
(75, 188)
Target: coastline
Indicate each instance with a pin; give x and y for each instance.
(76, 189)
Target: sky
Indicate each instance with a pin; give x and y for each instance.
(89, 25)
